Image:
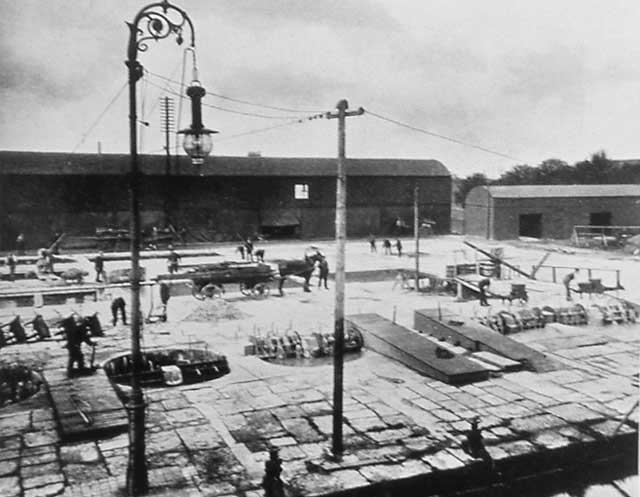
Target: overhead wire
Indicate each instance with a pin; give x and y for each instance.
(224, 109)
(444, 137)
(268, 128)
(156, 100)
(99, 118)
(242, 101)
(296, 120)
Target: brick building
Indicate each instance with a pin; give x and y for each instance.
(227, 197)
(548, 211)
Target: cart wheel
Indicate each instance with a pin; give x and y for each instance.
(195, 292)
(245, 289)
(211, 291)
(260, 290)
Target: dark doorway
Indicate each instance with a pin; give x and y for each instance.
(531, 225)
(600, 219)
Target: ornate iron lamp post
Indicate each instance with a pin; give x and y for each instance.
(155, 22)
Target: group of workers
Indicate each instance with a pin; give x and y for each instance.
(248, 251)
(386, 246)
(484, 284)
(173, 264)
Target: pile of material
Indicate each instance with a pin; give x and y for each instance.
(215, 310)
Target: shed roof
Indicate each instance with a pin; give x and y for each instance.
(54, 163)
(555, 191)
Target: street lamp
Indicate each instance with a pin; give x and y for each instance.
(197, 139)
(154, 22)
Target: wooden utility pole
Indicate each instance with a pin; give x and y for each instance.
(341, 234)
(416, 234)
(167, 116)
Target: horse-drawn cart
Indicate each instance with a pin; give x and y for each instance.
(209, 280)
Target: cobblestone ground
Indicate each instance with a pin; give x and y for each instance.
(212, 439)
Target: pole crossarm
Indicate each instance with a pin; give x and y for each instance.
(336, 115)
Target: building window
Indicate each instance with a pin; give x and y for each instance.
(301, 191)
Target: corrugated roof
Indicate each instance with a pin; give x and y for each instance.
(549, 191)
(49, 163)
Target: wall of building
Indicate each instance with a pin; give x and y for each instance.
(560, 215)
(212, 207)
(477, 212)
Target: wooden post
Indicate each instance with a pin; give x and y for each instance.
(416, 234)
(341, 234)
(167, 121)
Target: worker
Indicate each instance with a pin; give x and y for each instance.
(118, 305)
(259, 255)
(372, 243)
(399, 247)
(240, 249)
(248, 247)
(165, 294)
(483, 285)
(20, 244)
(566, 281)
(12, 262)
(75, 333)
(386, 245)
(323, 265)
(172, 260)
(399, 225)
(98, 264)
(42, 263)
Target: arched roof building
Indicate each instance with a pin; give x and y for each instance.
(548, 211)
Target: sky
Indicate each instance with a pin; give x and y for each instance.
(527, 80)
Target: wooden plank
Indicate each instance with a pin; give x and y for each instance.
(476, 338)
(414, 351)
(499, 361)
(497, 260)
(489, 366)
(85, 407)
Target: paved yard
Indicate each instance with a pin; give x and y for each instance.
(213, 438)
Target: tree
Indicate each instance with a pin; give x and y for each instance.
(597, 170)
(518, 175)
(554, 172)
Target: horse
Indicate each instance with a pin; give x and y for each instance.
(298, 267)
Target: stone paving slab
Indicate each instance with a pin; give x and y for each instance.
(213, 438)
(84, 407)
